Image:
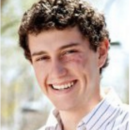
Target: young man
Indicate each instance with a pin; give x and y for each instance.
(67, 43)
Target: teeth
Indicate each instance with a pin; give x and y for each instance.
(61, 87)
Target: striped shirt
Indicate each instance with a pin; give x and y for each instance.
(109, 114)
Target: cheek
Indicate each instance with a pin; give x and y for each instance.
(41, 78)
(78, 61)
(40, 74)
(82, 64)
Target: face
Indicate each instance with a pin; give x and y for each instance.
(66, 68)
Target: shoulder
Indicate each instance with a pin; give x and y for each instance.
(124, 112)
(122, 119)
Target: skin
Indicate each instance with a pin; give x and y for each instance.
(63, 56)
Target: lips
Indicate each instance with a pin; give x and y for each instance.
(63, 86)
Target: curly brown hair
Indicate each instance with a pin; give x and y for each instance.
(60, 14)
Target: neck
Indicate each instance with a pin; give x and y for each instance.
(75, 115)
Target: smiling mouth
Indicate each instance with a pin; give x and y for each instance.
(63, 86)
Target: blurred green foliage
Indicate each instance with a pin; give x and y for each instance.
(17, 78)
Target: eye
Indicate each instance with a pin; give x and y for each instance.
(70, 52)
(43, 58)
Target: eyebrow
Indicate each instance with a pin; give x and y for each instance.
(38, 53)
(69, 45)
(61, 48)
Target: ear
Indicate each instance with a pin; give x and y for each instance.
(103, 52)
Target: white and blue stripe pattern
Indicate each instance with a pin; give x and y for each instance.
(109, 114)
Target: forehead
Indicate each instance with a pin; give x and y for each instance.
(53, 39)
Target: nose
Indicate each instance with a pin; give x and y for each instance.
(57, 70)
